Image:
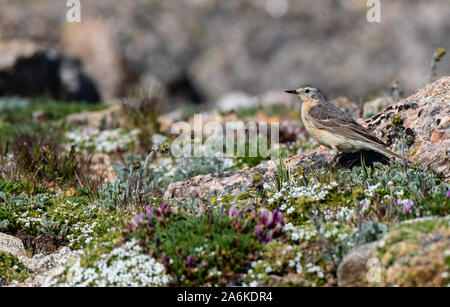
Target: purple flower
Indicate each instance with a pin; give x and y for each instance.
(138, 218)
(278, 229)
(258, 230)
(269, 226)
(366, 204)
(266, 218)
(268, 236)
(407, 205)
(189, 260)
(233, 212)
(277, 216)
(448, 194)
(148, 211)
(164, 211)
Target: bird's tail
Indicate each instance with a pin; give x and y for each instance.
(385, 151)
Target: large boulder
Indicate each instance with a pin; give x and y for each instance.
(353, 269)
(37, 72)
(12, 245)
(426, 120)
(43, 266)
(414, 253)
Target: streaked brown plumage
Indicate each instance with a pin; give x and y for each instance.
(334, 128)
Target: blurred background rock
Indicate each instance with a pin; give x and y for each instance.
(200, 50)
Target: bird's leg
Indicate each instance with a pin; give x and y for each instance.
(335, 155)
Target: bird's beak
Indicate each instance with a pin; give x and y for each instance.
(291, 92)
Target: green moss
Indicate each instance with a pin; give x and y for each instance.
(14, 110)
(200, 250)
(11, 269)
(71, 219)
(29, 188)
(413, 231)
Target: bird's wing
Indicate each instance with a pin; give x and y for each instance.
(328, 117)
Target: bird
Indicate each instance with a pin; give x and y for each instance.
(332, 127)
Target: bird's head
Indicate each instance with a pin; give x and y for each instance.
(306, 93)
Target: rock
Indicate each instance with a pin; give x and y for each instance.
(11, 50)
(413, 253)
(167, 120)
(12, 245)
(94, 42)
(40, 264)
(377, 105)
(426, 113)
(43, 267)
(236, 100)
(216, 46)
(279, 98)
(46, 72)
(416, 253)
(346, 105)
(105, 119)
(352, 270)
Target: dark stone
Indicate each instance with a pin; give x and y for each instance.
(48, 73)
(408, 106)
(436, 111)
(184, 90)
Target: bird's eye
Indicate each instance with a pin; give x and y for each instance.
(307, 91)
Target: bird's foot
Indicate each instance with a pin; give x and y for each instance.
(334, 158)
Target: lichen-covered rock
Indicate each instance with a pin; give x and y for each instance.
(426, 117)
(12, 245)
(41, 263)
(352, 270)
(43, 266)
(416, 253)
(46, 267)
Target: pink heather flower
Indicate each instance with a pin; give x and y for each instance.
(448, 194)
